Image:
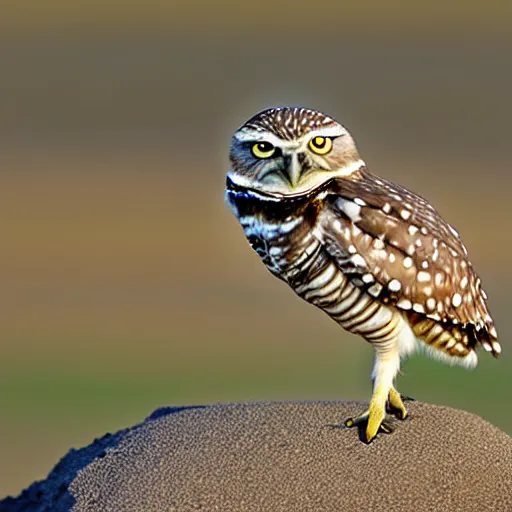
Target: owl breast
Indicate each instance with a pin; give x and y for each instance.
(288, 247)
(281, 233)
(291, 251)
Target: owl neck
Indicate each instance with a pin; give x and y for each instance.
(245, 201)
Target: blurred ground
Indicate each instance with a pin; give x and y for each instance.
(126, 284)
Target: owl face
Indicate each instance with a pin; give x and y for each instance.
(290, 151)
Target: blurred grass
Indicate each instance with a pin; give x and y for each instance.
(324, 374)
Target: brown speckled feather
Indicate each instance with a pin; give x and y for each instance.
(396, 245)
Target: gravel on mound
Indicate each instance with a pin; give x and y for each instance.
(288, 456)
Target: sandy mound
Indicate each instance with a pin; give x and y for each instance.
(283, 457)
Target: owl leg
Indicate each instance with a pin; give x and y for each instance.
(387, 362)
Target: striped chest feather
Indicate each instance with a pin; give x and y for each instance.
(281, 232)
(284, 237)
(285, 247)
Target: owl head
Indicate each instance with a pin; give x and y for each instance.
(290, 151)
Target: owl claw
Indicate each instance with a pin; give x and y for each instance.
(375, 421)
(375, 418)
(396, 403)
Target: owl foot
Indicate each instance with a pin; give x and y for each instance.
(375, 419)
(396, 403)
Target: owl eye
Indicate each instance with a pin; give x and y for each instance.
(320, 145)
(263, 150)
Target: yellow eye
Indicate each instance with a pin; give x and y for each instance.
(263, 150)
(320, 145)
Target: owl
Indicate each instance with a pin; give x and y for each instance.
(374, 256)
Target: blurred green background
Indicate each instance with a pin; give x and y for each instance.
(125, 282)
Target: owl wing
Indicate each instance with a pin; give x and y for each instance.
(394, 243)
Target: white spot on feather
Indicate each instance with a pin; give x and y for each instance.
(350, 209)
(423, 276)
(379, 244)
(454, 231)
(394, 285)
(358, 260)
(456, 300)
(451, 343)
(368, 278)
(418, 308)
(431, 303)
(404, 304)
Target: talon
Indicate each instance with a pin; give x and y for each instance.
(386, 427)
(375, 420)
(395, 401)
(358, 420)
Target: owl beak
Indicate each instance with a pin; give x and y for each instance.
(294, 170)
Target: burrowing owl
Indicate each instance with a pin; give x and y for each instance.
(377, 258)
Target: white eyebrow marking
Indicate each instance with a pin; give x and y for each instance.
(257, 136)
(250, 135)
